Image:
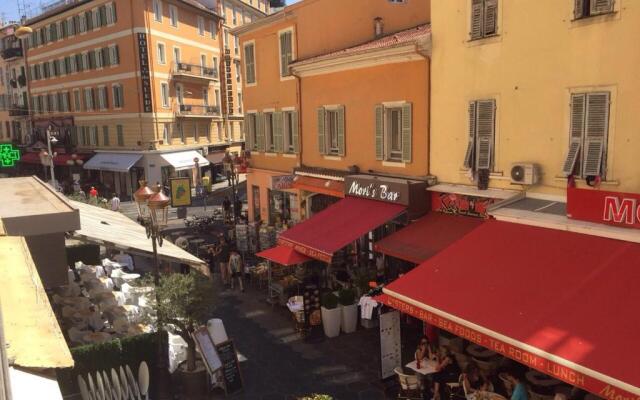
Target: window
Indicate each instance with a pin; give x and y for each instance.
(92, 59)
(105, 135)
(173, 15)
(203, 62)
(217, 98)
(331, 131)
(484, 18)
(226, 38)
(88, 98)
(161, 54)
(235, 16)
(481, 135)
(249, 63)
(215, 66)
(157, 10)
(290, 131)
(180, 94)
(236, 44)
(103, 99)
(166, 132)
(213, 27)
(99, 58)
(269, 131)
(237, 65)
(176, 55)
(205, 97)
(82, 19)
(286, 52)
(200, 26)
(73, 66)
(180, 131)
(196, 133)
(393, 132)
(93, 136)
(164, 90)
(239, 102)
(588, 134)
(120, 135)
(590, 8)
(118, 96)
(76, 100)
(111, 13)
(65, 102)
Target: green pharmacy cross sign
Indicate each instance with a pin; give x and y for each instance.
(8, 155)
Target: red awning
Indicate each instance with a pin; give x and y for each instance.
(283, 255)
(329, 187)
(561, 302)
(426, 236)
(30, 158)
(337, 226)
(60, 159)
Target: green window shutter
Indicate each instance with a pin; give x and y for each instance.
(485, 130)
(406, 132)
(578, 9)
(322, 142)
(278, 136)
(477, 11)
(341, 141)
(295, 133)
(601, 6)
(576, 131)
(247, 133)
(597, 125)
(379, 115)
(260, 132)
(471, 135)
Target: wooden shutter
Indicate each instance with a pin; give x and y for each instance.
(295, 133)
(285, 50)
(578, 9)
(278, 136)
(597, 124)
(469, 154)
(477, 11)
(106, 57)
(341, 141)
(379, 133)
(601, 7)
(485, 125)
(322, 142)
(260, 117)
(576, 131)
(247, 132)
(406, 132)
(490, 17)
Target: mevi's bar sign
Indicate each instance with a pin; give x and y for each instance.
(612, 208)
(391, 190)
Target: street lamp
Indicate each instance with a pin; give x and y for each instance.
(153, 210)
(51, 139)
(230, 170)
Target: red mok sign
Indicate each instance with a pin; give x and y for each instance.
(612, 208)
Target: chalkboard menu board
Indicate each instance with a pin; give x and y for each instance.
(230, 367)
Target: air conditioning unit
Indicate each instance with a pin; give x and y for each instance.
(524, 173)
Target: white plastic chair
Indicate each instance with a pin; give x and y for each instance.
(410, 385)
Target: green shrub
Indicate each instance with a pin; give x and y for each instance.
(347, 297)
(329, 301)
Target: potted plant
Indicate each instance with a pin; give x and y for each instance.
(347, 298)
(185, 302)
(331, 315)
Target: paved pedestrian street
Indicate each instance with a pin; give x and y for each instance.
(280, 365)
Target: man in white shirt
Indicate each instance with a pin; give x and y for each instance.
(115, 203)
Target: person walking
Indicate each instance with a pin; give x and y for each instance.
(236, 269)
(223, 258)
(115, 203)
(93, 196)
(226, 209)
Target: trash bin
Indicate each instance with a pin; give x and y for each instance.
(206, 182)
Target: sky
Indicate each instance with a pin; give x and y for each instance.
(9, 8)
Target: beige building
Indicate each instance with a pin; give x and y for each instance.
(14, 105)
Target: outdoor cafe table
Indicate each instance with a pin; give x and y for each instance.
(426, 367)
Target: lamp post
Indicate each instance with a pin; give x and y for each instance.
(153, 210)
(229, 169)
(199, 188)
(51, 139)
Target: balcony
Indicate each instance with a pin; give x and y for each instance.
(17, 111)
(197, 111)
(11, 53)
(194, 72)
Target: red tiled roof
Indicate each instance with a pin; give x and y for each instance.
(398, 38)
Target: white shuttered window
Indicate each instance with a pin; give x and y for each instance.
(484, 18)
(481, 135)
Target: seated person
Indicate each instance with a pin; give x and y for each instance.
(519, 389)
(473, 381)
(447, 371)
(425, 351)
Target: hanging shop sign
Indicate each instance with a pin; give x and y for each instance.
(611, 208)
(180, 192)
(145, 75)
(606, 390)
(460, 204)
(390, 190)
(282, 182)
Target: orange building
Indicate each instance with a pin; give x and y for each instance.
(322, 104)
(14, 104)
(144, 85)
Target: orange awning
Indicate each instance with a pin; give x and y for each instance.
(317, 185)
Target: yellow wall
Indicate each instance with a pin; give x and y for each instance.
(538, 58)
(359, 91)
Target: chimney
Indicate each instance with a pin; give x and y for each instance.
(378, 27)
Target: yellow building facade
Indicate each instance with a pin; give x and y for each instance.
(550, 89)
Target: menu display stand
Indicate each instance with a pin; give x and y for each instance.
(231, 377)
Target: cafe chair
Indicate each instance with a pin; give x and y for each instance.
(410, 385)
(456, 390)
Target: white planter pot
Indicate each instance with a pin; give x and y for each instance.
(368, 323)
(331, 320)
(349, 318)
